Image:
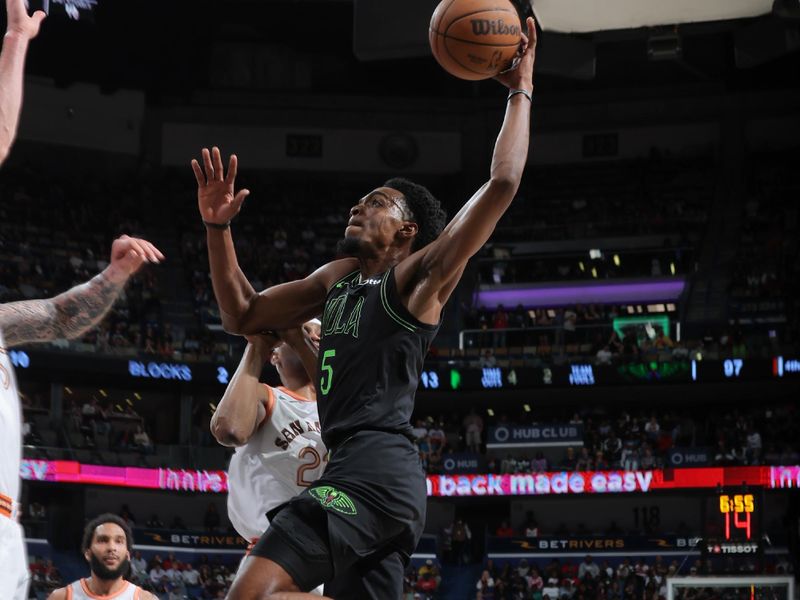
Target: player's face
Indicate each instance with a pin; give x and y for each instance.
(286, 360)
(375, 221)
(108, 555)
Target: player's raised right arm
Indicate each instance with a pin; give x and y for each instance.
(243, 310)
(21, 29)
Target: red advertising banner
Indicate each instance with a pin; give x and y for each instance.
(538, 484)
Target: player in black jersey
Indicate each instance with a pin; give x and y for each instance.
(355, 528)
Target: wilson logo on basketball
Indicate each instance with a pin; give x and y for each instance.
(493, 27)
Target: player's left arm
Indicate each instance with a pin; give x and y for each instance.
(20, 31)
(241, 411)
(71, 314)
(439, 265)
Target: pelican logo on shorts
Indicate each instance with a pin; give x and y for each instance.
(330, 497)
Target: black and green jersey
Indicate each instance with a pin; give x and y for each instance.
(370, 357)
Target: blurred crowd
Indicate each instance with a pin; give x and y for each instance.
(619, 439)
(648, 196)
(171, 579)
(625, 579)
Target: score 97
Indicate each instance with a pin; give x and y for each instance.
(740, 507)
(732, 367)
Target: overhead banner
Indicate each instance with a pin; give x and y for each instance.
(528, 484)
(629, 545)
(70, 471)
(188, 539)
(534, 436)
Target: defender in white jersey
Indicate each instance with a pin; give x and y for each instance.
(68, 315)
(107, 542)
(276, 431)
(14, 572)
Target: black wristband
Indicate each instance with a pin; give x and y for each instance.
(514, 92)
(220, 226)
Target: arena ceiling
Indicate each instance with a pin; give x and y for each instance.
(173, 53)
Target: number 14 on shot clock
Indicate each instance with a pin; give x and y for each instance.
(738, 510)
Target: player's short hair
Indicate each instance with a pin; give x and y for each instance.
(427, 211)
(88, 532)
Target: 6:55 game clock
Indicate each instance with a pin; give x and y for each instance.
(732, 523)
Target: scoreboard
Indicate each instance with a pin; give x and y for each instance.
(587, 374)
(38, 363)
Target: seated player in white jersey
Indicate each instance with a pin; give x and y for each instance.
(276, 431)
(107, 542)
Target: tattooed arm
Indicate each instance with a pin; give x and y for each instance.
(74, 312)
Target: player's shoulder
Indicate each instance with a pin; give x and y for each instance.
(59, 594)
(287, 404)
(143, 595)
(329, 273)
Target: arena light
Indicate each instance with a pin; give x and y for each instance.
(664, 46)
(589, 293)
(616, 260)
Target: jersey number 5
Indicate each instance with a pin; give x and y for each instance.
(326, 378)
(309, 466)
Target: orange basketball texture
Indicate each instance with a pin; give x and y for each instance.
(474, 39)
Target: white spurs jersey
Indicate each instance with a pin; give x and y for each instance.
(10, 427)
(79, 590)
(284, 456)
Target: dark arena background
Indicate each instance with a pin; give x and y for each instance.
(610, 410)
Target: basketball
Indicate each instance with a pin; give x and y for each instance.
(474, 39)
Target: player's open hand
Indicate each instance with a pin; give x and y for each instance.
(129, 254)
(19, 22)
(216, 199)
(520, 76)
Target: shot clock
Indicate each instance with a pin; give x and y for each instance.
(732, 524)
(737, 512)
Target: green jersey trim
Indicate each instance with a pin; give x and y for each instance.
(339, 281)
(390, 311)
